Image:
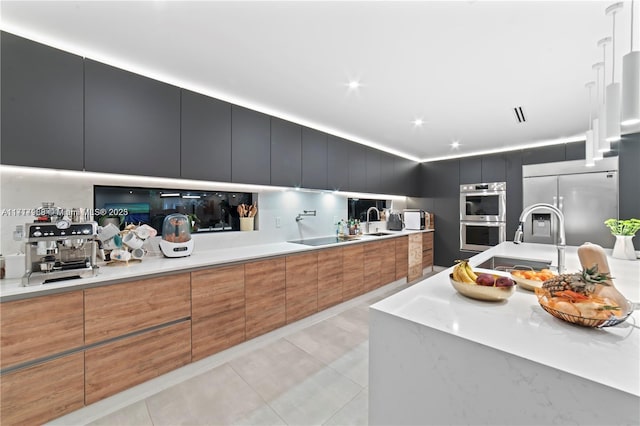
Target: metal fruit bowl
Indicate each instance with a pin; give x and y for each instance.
(626, 306)
(481, 292)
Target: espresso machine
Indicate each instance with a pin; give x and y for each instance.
(59, 251)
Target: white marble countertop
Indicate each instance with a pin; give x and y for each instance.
(12, 289)
(519, 326)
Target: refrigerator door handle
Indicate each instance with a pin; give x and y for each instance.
(555, 201)
(561, 203)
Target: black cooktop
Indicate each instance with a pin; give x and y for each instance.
(319, 241)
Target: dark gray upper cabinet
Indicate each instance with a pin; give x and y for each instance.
(286, 153)
(314, 159)
(388, 180)
(629, 148)
(132, 123)
(357, 167)
(470, 170)
(544, 154)
(406, 179)
(205, 138)
(493, 168)
(42, 105)
(372, 168)
(575, 151)
(250, 146)
(513, 168)
(337, 163)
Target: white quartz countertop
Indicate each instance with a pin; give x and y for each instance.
(519, 326)
(11, 289)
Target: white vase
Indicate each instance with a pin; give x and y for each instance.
(623, 248)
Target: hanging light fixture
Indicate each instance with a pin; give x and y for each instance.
(597, 154)
(603, 144)
(588, 146)
(613, 89)
(630, 113)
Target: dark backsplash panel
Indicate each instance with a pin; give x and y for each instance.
(210, 211)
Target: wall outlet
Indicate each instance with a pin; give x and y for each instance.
(278, 222)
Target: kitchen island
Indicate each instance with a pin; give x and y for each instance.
(437, 357)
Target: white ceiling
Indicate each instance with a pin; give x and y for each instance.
(461, 66)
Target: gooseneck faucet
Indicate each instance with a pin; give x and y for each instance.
(369, 211)
(517, 239)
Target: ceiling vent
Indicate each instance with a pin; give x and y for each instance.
(519, 114)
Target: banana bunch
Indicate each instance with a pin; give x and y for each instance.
(462, 272)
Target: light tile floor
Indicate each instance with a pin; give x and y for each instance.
(313, 372)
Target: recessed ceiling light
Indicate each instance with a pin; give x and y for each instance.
(353, 84)
(455, 145)
(418, 122)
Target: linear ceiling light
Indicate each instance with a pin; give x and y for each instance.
(613, 89)
(630, 113)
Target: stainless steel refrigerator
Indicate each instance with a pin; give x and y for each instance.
(587, 196)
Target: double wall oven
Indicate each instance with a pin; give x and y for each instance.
(483, 215)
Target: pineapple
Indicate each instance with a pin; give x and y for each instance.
(584, 282)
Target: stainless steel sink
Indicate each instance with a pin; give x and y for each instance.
(379, 234)
(501, 263)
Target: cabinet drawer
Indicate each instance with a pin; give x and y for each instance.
(217, 310)
(121, 364)
(119, 309)
(352, 271)
(42, 392)
(265, 296)
(427, 258)
(372, 265)
(39, 327)
(329, 278)
(402, 257)
(301, 286)
(388, 262)
(427, 241)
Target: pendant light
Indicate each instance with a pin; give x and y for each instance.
(613, 89)
(630, 113)
(597, 154)
(588, 146)
(603, 144)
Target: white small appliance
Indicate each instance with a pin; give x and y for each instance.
(414, 219)
(176, 236)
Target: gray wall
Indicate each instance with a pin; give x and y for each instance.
(440, 187)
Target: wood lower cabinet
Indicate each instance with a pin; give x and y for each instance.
(329, 278)
(415, 257)
(217, 310)
(265, 296)
(40, 327)
(42, 392)
(301, 286)
(352, 271)
(388, 262)
(402, 257)
(118, 309)
(372, 259)
(427, 249)
(124, 363)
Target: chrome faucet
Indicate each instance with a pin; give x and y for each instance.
(517, 239)
(367, 222)
(305, 213)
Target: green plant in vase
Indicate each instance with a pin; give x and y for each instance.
(624, 230)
